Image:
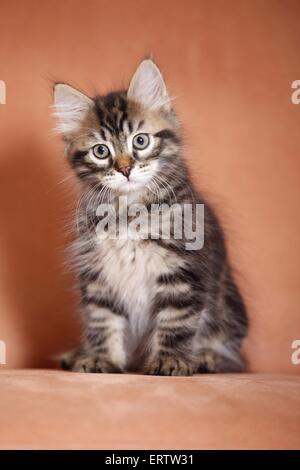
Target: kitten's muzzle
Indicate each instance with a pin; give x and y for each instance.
(124, 165)
(125, 170)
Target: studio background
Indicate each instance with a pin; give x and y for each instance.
(230, 64)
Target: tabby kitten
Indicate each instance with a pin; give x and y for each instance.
(148, 304)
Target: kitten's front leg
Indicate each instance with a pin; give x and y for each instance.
(172, 341)
(103, 347)
(171, 349)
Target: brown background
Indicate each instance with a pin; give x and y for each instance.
(230, 65)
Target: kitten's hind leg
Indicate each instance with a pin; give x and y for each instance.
(68, 358)
(215, 361)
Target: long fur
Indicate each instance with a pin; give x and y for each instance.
(147, 304)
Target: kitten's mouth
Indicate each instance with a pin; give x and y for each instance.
(129, 185)
(132, 182)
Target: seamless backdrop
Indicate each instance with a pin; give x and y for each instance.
(230, 65)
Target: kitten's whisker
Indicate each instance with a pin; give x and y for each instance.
(167, 185)
(157, 190)
(60, 182)
(164, 186)
(85, 200)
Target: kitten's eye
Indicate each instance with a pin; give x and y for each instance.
(141, 141)
(101, 151)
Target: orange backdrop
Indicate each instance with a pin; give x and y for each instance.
(230, 65)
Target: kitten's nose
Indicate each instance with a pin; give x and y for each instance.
(125, 170)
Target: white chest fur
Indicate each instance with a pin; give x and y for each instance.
(131, 268)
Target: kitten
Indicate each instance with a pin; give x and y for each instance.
(149, 304)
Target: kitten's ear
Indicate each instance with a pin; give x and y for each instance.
(147, 86)
(70, 107)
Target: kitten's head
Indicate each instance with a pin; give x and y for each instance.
(125, 141)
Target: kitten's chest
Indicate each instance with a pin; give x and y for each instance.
(131, 268)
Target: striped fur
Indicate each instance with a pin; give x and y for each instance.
(148, 304)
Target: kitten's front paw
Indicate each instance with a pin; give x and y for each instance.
(168, 365)
(94, 364)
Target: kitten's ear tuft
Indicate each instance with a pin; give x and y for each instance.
(147, 86)
(70, 107)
